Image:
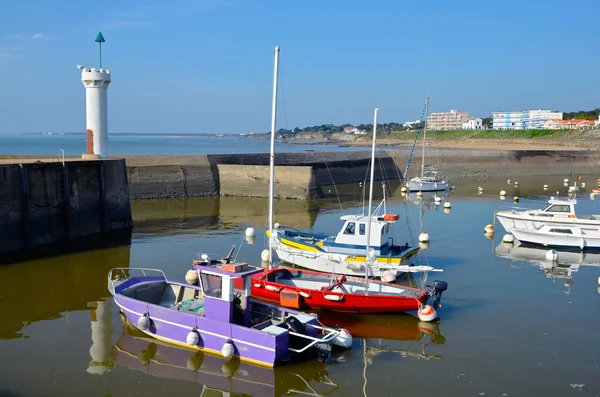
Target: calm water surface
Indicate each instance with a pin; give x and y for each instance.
(509, 326)
(75, 145)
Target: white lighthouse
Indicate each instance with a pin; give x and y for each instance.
(96, 83)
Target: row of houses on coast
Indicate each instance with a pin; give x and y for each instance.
(508, 120)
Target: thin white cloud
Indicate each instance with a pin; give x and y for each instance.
(39, 36)
(15, 37)
(10, 48)
(118, 25)
(7, 58)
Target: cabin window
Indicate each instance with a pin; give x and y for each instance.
(350, 228)
(361, 229)
(559, 208)
(211, 285)
(565, 231)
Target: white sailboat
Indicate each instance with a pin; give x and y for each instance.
(430, 179)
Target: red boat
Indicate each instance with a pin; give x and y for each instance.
(304, 289)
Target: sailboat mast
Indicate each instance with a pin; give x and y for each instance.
(367, 259)
(272, 155)
(424, 135)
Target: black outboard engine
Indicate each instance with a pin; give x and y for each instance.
(437, 290)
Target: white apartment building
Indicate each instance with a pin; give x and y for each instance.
(452, 120)
(474, 123)
(523, 119)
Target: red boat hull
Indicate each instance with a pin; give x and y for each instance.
(314, 299)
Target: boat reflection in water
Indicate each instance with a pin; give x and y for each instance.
(137, 351)
(568, 262)
(383, 329)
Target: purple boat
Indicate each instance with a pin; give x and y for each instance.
(217, 316)
(217, 376)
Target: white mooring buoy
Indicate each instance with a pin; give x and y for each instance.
(419, 194)
(265, 255)
(582, 184)
(403, 189)
(566, 180)
(551, 255)
(250, 232)
(502, 192)
(438, 199)
(424, 237)
(508, 238)
(447, 205)
(545, 187)
(489, 228)
(516, 199)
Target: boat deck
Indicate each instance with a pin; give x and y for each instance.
(312, 281)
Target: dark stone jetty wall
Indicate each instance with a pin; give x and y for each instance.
(44, 201)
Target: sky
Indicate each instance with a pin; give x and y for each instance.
(206, 66)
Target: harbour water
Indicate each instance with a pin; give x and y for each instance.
(75, 145)
(509, 326)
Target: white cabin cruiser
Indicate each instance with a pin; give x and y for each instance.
(559, 236)
(558, 212)
(344, 253)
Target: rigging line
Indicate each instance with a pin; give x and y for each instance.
(332, 181)
(412, 150)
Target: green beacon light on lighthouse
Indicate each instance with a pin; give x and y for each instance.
(100, 40)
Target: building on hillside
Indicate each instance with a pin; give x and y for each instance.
(452, 120)
(558, 124)
(412, 124)
(474, 123)
(354, 130)
(523, 119)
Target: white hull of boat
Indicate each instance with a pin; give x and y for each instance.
(577, 239)
(425, 186)
(339, 264)
(510, 221)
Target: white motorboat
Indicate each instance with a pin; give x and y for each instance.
(559, 236)
(558, 212)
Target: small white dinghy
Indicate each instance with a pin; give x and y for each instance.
(559, 236)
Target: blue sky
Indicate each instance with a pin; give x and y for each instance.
(205, 66)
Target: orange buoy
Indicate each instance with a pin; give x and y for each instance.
(391, 217)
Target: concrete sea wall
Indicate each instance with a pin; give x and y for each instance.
(303, 175)
(297, 175)
(46, 201)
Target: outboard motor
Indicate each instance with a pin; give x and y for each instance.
(437, 290)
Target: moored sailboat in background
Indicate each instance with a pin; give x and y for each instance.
(430, 179)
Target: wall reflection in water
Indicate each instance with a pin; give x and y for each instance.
(44, 289)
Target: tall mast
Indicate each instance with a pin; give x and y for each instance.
(424, 135)
(367, 259)
(272, 156)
